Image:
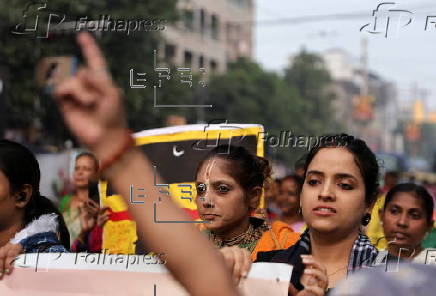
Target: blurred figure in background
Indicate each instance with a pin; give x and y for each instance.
(90, 238)
(411, 279)
(78, 209)
(374, 230)
(271, 195)
(289, 202)
(390, 180)
(407, 217)
(299, 166)
(430, 240)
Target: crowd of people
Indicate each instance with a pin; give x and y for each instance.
(318, 219)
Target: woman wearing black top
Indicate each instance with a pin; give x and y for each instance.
(336, 199)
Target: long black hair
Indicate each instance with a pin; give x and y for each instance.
(21, 167)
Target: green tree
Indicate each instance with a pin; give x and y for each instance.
(311, 79)
(19, 55)
(249, 94)
(296, 103)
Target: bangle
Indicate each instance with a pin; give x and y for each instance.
(129, 142)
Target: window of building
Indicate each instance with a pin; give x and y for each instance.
(202, 21)
(242, 3)
(214, 26)
(233, 31)
(170, 51)
(188, 19)
(213, 65)
(228, 31)
(201, 61)
(188, 58)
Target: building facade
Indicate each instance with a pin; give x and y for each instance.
(373, 117)
(209, 34)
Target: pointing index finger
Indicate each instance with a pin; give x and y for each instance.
(91, 52)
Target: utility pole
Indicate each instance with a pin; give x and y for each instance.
(364, 90)
(364, 87)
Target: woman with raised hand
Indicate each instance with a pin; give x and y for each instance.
(29, 222)
(229, 183)
(77, 206)
(92, 108)
(82, 213)
(339, 190)
(407, 217)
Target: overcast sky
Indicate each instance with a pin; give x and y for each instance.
(406, 57)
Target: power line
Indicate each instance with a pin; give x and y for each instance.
(309, 18)
(367, 14)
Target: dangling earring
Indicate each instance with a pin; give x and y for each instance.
(299, 211)
(365, 219)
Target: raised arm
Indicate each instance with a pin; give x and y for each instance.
(92, 108)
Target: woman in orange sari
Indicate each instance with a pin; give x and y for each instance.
(229, 183)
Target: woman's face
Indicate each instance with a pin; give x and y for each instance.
(221, 200)
(7, 203)
(271, 191)
(84, 171)
(333, 194)
(288, 200)
(404, 221)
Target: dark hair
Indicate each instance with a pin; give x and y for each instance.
(90, 155)
(419, 192)
(297, 179)
(299, 164)
(247, 169)
(363, 156)
(21, 167)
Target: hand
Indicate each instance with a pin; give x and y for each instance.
(314, 279)
(8, 253)
(91, 103)
(91, 207)
(103, 216)
(88, 217)
(238, 260)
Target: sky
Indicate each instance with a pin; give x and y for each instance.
(406, 56)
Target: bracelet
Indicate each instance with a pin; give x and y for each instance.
(129, 142)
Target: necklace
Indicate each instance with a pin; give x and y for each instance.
(336, 271)
(237, 239)
(246, 240)
(333, 273)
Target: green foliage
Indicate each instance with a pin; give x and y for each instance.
(19, 55)
(310, 77)
(296, 103)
